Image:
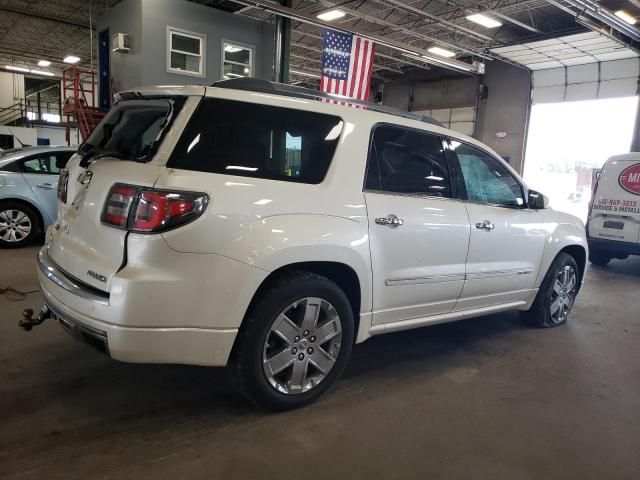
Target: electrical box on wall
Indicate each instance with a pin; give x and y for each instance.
(120, 42)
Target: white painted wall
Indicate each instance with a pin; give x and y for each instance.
(24, 136)
(11, 88)
(56, 135)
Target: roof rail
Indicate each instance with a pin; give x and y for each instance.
(265, 86)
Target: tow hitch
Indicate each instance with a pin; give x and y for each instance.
(27, 322)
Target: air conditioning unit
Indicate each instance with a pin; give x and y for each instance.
(120, 42)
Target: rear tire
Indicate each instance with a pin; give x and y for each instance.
(294, 342)
(599, 257)
(556, 295)
(20, 224)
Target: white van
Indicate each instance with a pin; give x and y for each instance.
(613, 226)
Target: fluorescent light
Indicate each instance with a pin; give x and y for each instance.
(232, 48)
(442, 52)
(330, 15)
(71, 59)
(626, 16)
(483, 20)
(44, 63)
(17, 69)
(42, 72)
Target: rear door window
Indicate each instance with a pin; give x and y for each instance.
(253, 140)
(407, 161)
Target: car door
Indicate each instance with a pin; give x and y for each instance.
(507, 239)
(41, 172)
(419, 235)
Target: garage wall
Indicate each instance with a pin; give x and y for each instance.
(11, 88)
(613, 79)
(146, 23)
(505, 110)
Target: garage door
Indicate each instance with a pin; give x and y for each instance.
(613, 79)
(461, 119)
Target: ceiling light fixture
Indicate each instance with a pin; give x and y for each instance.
(626, 16)
(483, 20)
(17, 69)
(71, 59)
(232, 48)
(331, 15)
(42, 72)
(44, 63)
(442, 52)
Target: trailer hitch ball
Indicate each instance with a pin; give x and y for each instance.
(28, 322)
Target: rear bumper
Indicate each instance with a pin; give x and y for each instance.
(97, 318)
(614, 246)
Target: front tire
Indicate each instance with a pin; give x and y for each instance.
(294, 342)
(556, 296)
(19, 224)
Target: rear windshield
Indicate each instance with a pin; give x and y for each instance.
(252, 140)
(131, 130)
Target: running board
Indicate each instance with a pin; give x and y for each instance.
(442, 318)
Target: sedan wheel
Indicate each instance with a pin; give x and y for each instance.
(302, 346)
(16, 226)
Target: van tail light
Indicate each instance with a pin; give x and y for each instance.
(63, 183)
(146, 210)
(594, 189)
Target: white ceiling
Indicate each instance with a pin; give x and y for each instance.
(577, 49)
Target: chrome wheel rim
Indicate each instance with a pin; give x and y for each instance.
(302, 346)
(563, 294)
(15, 225)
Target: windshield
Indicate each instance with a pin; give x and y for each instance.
(131, 130)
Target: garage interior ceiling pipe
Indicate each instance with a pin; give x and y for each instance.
(415, 53)
(605, 16)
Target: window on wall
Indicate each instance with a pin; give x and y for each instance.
(237, 60)
(185, 52)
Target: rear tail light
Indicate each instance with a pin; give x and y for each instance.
(63, 183)
(593, 194)
(146, 210)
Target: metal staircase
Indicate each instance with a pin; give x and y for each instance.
(13, 115)
(79, 102)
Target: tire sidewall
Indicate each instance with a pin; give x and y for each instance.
(33, 217)
(559, 263)
(264, 315)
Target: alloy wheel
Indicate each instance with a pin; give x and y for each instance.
(15, 225)
(302, 346)
(563, 294)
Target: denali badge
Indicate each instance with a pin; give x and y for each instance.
(85, 177)
(97, 276)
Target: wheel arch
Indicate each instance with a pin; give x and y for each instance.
(342, 274)
(42, 219)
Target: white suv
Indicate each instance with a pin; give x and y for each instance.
(270, 228)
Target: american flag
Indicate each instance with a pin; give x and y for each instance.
(347, 61)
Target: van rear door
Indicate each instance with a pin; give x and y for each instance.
(615, 212)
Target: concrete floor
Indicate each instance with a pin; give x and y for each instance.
(483, 399)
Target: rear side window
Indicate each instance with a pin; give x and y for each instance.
(252, 140)
(407, 161)
(12, 167)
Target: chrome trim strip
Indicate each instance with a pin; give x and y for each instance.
(50, 270)
(390, 282)
(420, 280)
(500, 273)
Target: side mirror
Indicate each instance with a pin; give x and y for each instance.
(537, 201)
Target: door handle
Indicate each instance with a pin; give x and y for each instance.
(46, 186)
(486, 225)
(390, 221)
